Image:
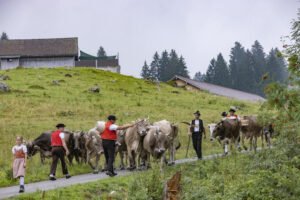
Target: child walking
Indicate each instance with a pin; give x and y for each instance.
(19, 161)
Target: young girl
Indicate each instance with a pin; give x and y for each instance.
(19, 161)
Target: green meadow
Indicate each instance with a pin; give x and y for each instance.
(36, 105)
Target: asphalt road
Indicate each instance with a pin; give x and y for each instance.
(8, 192)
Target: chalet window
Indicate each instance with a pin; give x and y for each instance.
(9, 60)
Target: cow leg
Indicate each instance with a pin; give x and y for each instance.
(122, 160)
(131, 159)
(96, 164)
(251, 140)
(238, 144)
(148, 165)
(243, 142)
(255, 143)
(225, 148)
(126, 159)
(70, 158)
(89, 161)
(42, 158)
(262, 140)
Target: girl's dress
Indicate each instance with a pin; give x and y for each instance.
(18, 165)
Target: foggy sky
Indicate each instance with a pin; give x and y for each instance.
(196, 29)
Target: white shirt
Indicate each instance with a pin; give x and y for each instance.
(196, 128)
(113, 127)
(62, 135)
(18, 148)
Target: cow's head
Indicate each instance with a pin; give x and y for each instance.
(32, 149)
(142, 126)
(211, 128)
(218, 131)
(162, 142)
(78, 139)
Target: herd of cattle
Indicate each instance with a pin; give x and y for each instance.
(228, 130)
(143, 140)
(139, 142)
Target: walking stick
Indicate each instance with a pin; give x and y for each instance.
(188, 146)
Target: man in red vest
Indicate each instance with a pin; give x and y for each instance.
(232, 114)
(59, 148)
(109, 137)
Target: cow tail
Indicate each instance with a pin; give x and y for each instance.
(178, 146)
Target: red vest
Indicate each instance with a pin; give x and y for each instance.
(108, 134)
(56, 140)
(233, 116)
(20, 153)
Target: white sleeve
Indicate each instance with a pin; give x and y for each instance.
(13, 150)
(113, 127)
(24, 149)
(62, 135)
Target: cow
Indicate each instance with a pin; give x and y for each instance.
(252, 130)
(79, 145)
(93, 145)
(134, 141)
(172, 131)
(155, 143)
(121, 148)
(228, 131)
(42, 144)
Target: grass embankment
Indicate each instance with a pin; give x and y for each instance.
(266, 175)
(36, 105)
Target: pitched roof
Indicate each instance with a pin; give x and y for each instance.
(39, 47)
(220, 90)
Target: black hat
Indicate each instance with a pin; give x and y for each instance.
(111, 117)
(224, 114)
(60, 125)
(197, 113)
(232, 110)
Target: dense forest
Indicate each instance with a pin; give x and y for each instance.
(163, 67)
(245, 68)
(243, 72)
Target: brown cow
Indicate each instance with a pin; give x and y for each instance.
(172, 131)
(79, 145)
(155, 143)
(93, 144)
(134, 141)
(121, 148)
(252, 130)
(228, 131)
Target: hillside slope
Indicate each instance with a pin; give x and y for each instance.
(36, 105)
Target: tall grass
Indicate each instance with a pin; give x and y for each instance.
(36, 105)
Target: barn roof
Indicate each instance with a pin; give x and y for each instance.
(53, 47)
(220, 90)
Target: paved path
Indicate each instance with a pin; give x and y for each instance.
(7, 192)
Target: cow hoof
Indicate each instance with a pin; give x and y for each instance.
(131, 168)
(225, 154)
(240, 149)
(170, 164)
(103, 170)
(122, 168)
(95, 172)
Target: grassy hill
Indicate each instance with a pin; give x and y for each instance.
(36, 105)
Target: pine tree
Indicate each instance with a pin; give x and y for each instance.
(163, 64)
(145, 73)
(221, 72)
(154, 67)
(276, 66)
(182, 69)
(101, 52)
(210, 73)
(259, 60)
(4, 36)
(199, 76)
(172, 66)
(237, 59)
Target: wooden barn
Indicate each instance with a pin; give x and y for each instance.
(36, 53)
(194, 85)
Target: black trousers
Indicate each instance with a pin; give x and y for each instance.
(58, 153)
(197, 143)
(109, 153)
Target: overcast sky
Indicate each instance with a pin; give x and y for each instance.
(196, 29)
